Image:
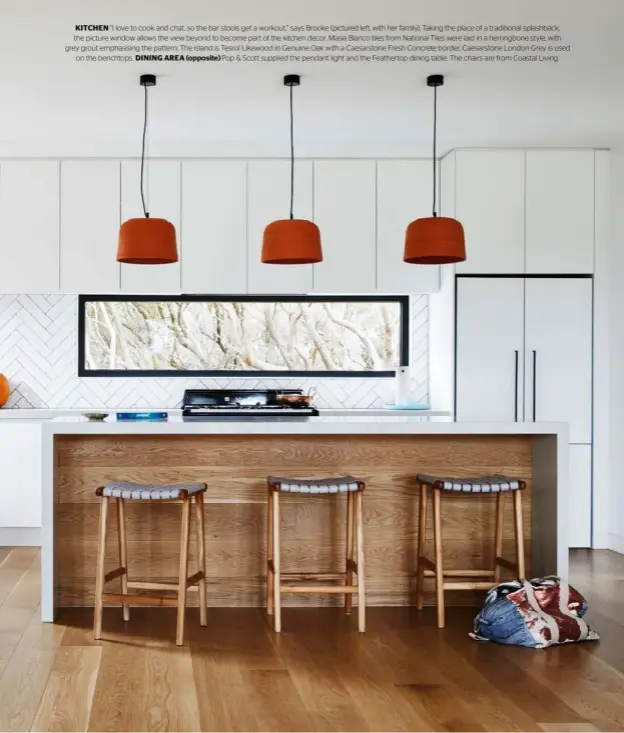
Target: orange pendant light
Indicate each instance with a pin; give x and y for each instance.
(291, 241)
(147, 241)
(434, 240)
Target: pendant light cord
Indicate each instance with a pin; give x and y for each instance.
(292, 154)
(145, 212)
(435, 129)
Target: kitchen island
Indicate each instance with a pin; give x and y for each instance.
(234, 457)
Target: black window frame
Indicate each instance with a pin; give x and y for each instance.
(404, 336)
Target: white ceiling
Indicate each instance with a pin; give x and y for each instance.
(52, 106)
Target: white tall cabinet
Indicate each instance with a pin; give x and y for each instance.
(524, 354)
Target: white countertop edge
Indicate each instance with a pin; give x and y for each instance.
(312, 426)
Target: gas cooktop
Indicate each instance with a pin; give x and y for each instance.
(243, 403)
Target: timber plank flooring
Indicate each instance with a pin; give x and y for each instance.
(403, 674)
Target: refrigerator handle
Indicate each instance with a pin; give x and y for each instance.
(517, 353)
(534, 385)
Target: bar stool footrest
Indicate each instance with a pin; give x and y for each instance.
(461, 573)
(313, 576)
(339, 589)
(467, 585)
(137, 600)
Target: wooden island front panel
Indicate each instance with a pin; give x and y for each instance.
(313, 527)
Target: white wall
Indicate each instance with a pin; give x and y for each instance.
(616, 343)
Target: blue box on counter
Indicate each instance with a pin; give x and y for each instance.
(142, 416)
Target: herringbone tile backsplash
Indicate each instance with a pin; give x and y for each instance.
(38, 355)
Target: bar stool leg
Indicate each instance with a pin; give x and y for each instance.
(439, 565)
(498, 541)
(123, 553)
(201, 557)
(519, 534)
(422, 530)
(360, 561)
(349, 555)
(277, 599)
(183, 574)
(99, 572)
(270, 575)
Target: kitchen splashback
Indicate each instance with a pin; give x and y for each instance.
(38, 343)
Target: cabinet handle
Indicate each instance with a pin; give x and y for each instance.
(517, 353)
(534, 385)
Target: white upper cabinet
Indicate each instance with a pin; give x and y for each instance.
(344, 209)
(560, 212)
(29, 226)
(489, 190)
(404, 193)
(214, 226)
(90, 219)
(162, 199)
(268, 199)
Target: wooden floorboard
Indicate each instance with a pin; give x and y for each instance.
(320, 674)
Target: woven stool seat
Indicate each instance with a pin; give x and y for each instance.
(147, 492)
(480, 485)
(340, 485)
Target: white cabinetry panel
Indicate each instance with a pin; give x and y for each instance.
(20, 474)
(490, 328)
(29, 226)
(489, 190)
(558, 353)
(162, 198)
(560, 212)
(404, 193)
(90, 219)
(214, 226)
(344, 209)
(579, 502)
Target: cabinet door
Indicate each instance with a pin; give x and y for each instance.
(268, 196)
(559, 353)
(214, 226)
(403, 194)
(162, 199)
(580, 498)
(560, 212)
(29, 226)
(490, 327)
(90, 219)
(20, 474)
(344, 209)
(489, 202)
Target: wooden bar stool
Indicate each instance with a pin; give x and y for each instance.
(278, 582)
(122, 491)
(488, 485)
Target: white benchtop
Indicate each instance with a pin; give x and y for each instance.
(387, 424)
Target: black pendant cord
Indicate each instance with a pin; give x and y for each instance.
(145, 212)
(292, 155)
(435, 130)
